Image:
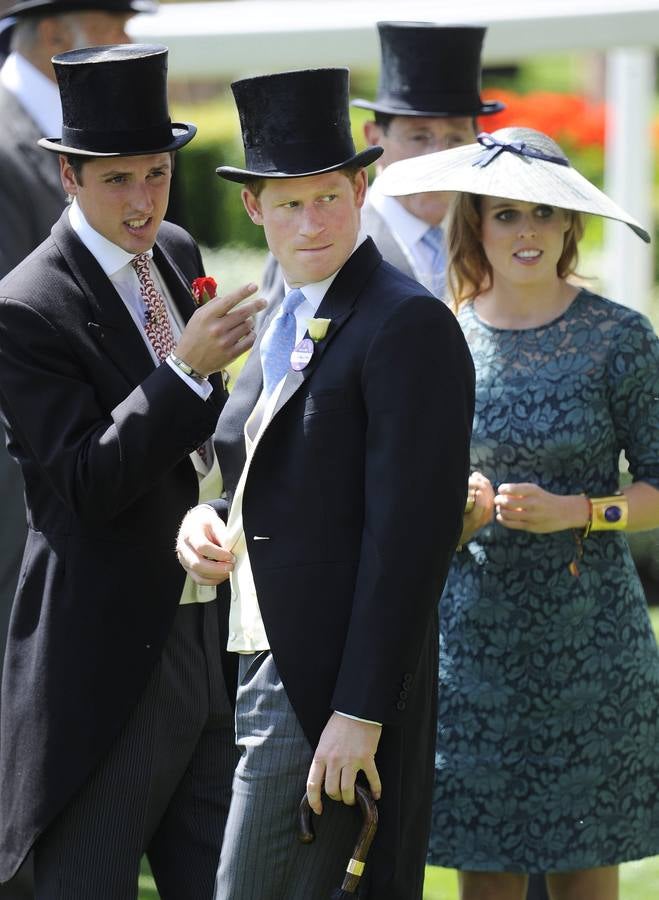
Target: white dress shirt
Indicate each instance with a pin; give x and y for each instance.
(246, 628)
(408, 231)
(38, 95)
(116, 264)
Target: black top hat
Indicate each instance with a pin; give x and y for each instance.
(114, 102)
(430, 70)
(24, 8)
(295, 124)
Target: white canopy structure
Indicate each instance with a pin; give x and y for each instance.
(245, 37)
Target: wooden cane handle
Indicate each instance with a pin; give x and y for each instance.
(305, 827)
(369, 813)
(370, 822)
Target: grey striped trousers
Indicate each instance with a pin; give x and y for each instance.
(262, 858)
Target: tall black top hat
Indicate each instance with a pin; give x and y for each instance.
(23, 8)
(295, 124)
(114, 102)
(430, 70)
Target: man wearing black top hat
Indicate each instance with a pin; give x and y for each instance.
(116, 734)
(344, 454)
(428, 99)
(31, 194)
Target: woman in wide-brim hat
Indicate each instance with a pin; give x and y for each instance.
(547, 754)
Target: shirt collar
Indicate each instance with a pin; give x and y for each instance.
(408, 228)
(37, 94)
(315, 292)
(109, 256)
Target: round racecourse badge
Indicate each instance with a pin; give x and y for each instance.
(301, 355)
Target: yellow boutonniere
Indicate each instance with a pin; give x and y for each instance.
(317, 328)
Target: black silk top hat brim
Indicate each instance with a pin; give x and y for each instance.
(430, 70)
(114, 103)
(511, 163)
(54, 7)
(295, 124)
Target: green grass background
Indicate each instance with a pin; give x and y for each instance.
(638, 880)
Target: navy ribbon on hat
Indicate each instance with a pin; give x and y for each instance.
(493, 148)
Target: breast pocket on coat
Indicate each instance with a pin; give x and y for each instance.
(327, 401)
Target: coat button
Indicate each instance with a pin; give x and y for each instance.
(400, 704)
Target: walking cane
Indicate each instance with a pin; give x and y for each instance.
(355, 867)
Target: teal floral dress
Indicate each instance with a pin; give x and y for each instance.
(548, 729)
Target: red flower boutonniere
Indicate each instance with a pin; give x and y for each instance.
(203, 289)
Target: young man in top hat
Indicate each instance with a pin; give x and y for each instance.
(31, 194)
(116, 729)
(428, 99)
(345, 466)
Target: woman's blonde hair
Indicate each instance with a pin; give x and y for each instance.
(469, 272)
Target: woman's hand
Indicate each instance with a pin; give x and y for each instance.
(481, 513)
(528, 507)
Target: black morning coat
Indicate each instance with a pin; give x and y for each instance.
(103, 438)
(352, 510)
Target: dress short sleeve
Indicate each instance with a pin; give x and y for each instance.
(633, 372)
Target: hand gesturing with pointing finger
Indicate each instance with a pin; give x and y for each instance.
(219, 331)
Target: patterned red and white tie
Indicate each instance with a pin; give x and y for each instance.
(157, 325)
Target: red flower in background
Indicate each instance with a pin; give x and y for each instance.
(204, 289)
(564, 117)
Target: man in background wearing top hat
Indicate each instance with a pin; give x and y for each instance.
(345, 467)
(116, 728)
(428, 99)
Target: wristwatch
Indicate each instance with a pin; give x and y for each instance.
(186, 369)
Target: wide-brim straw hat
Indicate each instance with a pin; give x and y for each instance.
(513, 163)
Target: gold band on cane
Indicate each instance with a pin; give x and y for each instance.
(355, 867)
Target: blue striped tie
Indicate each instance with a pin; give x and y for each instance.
(434, 240)
(277, 345)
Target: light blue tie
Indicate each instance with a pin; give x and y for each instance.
(434, 240)
(278, 343)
